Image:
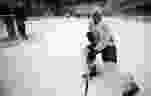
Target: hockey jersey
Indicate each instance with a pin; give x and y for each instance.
(102, 29)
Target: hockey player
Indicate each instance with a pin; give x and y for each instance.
(101, 41)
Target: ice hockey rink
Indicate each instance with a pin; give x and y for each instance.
(50, 65)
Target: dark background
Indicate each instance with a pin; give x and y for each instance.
(58, 5)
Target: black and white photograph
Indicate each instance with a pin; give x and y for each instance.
(75, 47)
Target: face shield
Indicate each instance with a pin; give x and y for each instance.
(96, 17)
(96, 14)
